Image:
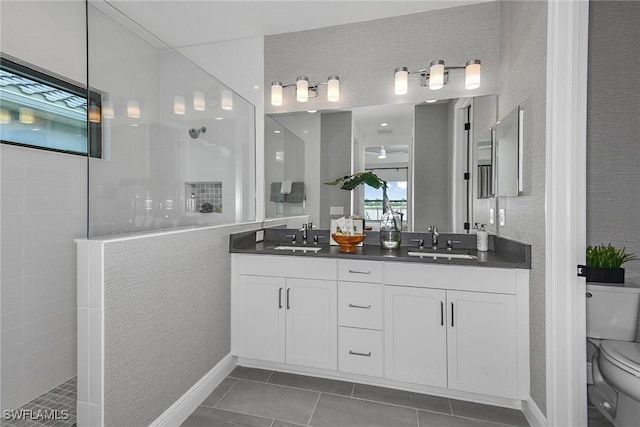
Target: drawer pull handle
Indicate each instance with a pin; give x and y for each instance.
(359, 272)
(368, 307)
(355, 353)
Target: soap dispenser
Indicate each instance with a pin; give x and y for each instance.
(482, 239)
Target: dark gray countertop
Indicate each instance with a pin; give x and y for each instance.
(504, 253)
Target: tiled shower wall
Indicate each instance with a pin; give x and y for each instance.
(43, 197)
(43, 209)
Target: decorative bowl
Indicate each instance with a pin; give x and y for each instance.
(348, 242)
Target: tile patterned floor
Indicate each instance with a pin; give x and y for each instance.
(52, 403)
(256, 397)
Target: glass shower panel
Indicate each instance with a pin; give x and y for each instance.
(178, 145)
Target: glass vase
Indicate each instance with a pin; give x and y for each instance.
(390, 225)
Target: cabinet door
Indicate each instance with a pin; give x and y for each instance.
(261, 315)
(482, 343)
(415, 335)
(312, 323)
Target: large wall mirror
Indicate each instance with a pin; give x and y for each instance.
(423, 151)
(508, 180)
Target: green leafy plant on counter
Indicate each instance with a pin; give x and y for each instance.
(602, 256)
(349, 182)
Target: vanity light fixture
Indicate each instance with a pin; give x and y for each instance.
(226, 102)
(305, 89)
(107, 110)
(179, 106)
(199, 103)
(437, 75)
(133, 109)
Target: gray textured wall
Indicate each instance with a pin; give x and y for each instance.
(432, 167)
(523, 59)
(167, 319)
(335, 161)
(366, 54)
(613, 127)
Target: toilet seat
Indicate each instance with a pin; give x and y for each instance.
(623, 354)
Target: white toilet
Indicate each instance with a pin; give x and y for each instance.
(612, 319)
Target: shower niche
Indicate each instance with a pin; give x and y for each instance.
(203, 197)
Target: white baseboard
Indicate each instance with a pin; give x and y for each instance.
(533, 414)
(177, 413)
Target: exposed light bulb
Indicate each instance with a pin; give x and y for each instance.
(276, 93)
(401, 80)
(436, 75)
(333, 88)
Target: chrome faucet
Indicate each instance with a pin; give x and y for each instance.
(434, 237)
(304, 229)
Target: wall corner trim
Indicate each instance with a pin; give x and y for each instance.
(533, 414)
(177, 413)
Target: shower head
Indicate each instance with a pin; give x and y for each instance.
(195, 133)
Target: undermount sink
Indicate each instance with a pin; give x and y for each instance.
(298, 249)
(436, 255)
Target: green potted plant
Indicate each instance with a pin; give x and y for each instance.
(604, 263)
(390, 223)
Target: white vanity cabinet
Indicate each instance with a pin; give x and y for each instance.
(285, 318)
(454, 327)
(444, 329)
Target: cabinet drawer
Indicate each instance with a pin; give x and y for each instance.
(461, 278)
(360, 271)
(287, 266)
(360, 305)
(360, 351)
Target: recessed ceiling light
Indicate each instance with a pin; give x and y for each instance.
(256, 87)
(217, 118)
(276, 131)
(431, 101)
(384, 124)
(305, 131)
(312, 111)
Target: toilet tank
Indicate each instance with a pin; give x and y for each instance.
(612, 312)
